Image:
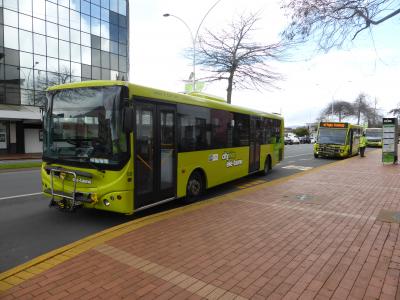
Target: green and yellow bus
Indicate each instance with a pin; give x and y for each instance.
(121, 147)
(337, 139)
(374, 137)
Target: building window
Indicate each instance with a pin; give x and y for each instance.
(45, 42)
(51, 12)
(25, 22)
(105, 3)
(86, 71)
(75, 20)
(25, 41)
(11, 57)
(39, 26)
(39, 9)
(10, 18)
(11, 37)
(25, 6)
(52, 47)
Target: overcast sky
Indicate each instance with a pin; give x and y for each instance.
(370, 64)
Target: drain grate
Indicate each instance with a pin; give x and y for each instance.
(304, 197)
(389, 216)
(299, 197)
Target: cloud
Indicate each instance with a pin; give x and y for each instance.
(369, 64)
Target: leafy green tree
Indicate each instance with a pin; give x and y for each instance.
(301, 131)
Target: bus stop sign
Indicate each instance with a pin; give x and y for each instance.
(390, 140)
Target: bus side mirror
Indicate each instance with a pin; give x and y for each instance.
(128, 119)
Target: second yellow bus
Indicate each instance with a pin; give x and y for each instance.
(337, 139)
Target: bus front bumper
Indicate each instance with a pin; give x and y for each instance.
(374, 144)
(330, 151)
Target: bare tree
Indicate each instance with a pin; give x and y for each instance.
(395, 111)
(334, 22)
(362, 108)
(342, 109)
(231, 55)
(375, 116)
(42, 82)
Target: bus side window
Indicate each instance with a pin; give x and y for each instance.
(268, 130)
(241, 130)
(187, 142)
(277, 130)
(260, 131)
(221, 128)
(194, 128)
(201, 134)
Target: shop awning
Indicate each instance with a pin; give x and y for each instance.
(19, 112)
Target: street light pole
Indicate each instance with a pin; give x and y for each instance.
(193, 44)
(193, 38)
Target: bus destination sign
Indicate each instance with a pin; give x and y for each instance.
(333, 125)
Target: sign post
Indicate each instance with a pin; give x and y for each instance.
(198, 88)
(390, 140)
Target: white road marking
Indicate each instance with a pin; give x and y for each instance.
(20, 196)
(301, 168)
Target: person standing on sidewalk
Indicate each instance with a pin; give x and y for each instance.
(363, 144)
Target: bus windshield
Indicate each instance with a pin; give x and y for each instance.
(373, 133)
(332, 136)
(84, 125)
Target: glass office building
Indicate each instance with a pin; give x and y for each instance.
(48, 42)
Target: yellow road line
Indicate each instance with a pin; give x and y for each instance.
(44, 262)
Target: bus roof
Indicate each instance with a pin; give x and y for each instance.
(199, 99)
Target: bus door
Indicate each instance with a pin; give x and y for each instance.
(351, 141)
(254, 156)
(155, 153)
(356, 141)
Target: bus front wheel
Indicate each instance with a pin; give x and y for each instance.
(315, 155)
(195, 186)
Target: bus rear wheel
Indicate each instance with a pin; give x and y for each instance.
(195, 187)
(267, 166)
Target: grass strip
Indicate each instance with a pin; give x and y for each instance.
(20, 165)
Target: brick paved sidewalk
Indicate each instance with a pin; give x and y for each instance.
(327, 234)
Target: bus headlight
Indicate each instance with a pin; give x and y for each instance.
(106, 202)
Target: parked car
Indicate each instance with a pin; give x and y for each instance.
(312, 140)
(295, 140)
(305, 140)
(288, 140)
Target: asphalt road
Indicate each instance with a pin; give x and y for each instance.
(29, 228)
